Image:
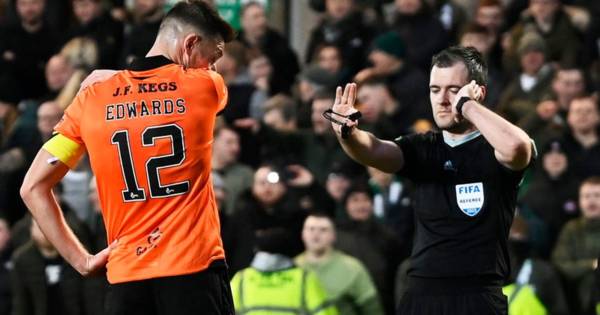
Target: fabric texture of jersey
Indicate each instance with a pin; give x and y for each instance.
(464, 205)
(148, 132)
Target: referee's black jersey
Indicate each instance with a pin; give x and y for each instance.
(464, 202)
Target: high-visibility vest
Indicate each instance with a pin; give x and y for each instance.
(285, 292)
(522, 300)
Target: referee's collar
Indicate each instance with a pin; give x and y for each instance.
(468, 137)
(147, 63)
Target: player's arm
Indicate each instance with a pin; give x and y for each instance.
(513, 147)
(360, 145)
(45, 172)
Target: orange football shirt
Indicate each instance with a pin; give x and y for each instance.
(149, 135)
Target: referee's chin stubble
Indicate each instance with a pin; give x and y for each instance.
(447, 121)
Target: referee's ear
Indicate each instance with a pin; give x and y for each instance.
(483, 93)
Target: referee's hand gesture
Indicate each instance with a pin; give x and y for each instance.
(344, 105)
(471, 90)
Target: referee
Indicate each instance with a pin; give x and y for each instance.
(466, 179)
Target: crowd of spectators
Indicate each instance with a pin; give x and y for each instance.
(276, 160)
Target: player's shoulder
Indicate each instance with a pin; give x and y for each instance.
(96, 88)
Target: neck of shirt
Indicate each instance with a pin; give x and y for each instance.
(454, 141)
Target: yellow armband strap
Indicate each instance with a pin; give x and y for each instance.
(64, 150)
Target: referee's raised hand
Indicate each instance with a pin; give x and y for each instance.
(344, 105)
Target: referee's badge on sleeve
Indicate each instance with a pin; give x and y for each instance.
(469, 198)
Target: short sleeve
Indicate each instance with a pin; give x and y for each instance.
(221, 89)
(70, 124)
(414, 151)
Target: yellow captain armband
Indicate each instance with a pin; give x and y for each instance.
(64, 149)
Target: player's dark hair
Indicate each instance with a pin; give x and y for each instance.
(469, 56)
(200, 16)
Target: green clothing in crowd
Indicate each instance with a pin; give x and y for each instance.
(347, 282)
(575, 254)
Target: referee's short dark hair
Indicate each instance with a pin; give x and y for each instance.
(202, 17)
(472, 59)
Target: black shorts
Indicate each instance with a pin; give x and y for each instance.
(452, 299)
(206, 292)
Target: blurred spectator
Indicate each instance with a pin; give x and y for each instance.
(480, 37)
(548, 18)
(339, 180)
(42, 282)
(261, 72)
(220, 196)
(272, 284)
(534, 285)
(76, 190)
(388, 56)
(245, 98)
(96, 286)
(139, 38)
(17, 149)
(312, 80)
(344, 27)
(268, 204)
(256, 34)
(361, 236)
(451, 15)
(582, 139)
(48, 115)
(422, 34)
(392, 206)
(568, 84)
(5, 265)
(383, 114)
(551, 198)
(550, 116)
(329, 57)
(344, 277)
(93, 21)
(531, 85)
(236, 176)
(316, 148)
(58, 72)
(578, 247)
(82, 53)
(490, 14)
(280, 113)
(25, 47)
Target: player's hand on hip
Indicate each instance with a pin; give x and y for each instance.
(344, 105)
(95, 263)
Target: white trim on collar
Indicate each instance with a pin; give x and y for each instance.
(454, 143)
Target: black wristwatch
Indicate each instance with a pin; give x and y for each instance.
(461, 103)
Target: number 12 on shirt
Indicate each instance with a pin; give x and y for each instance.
(132, 191)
